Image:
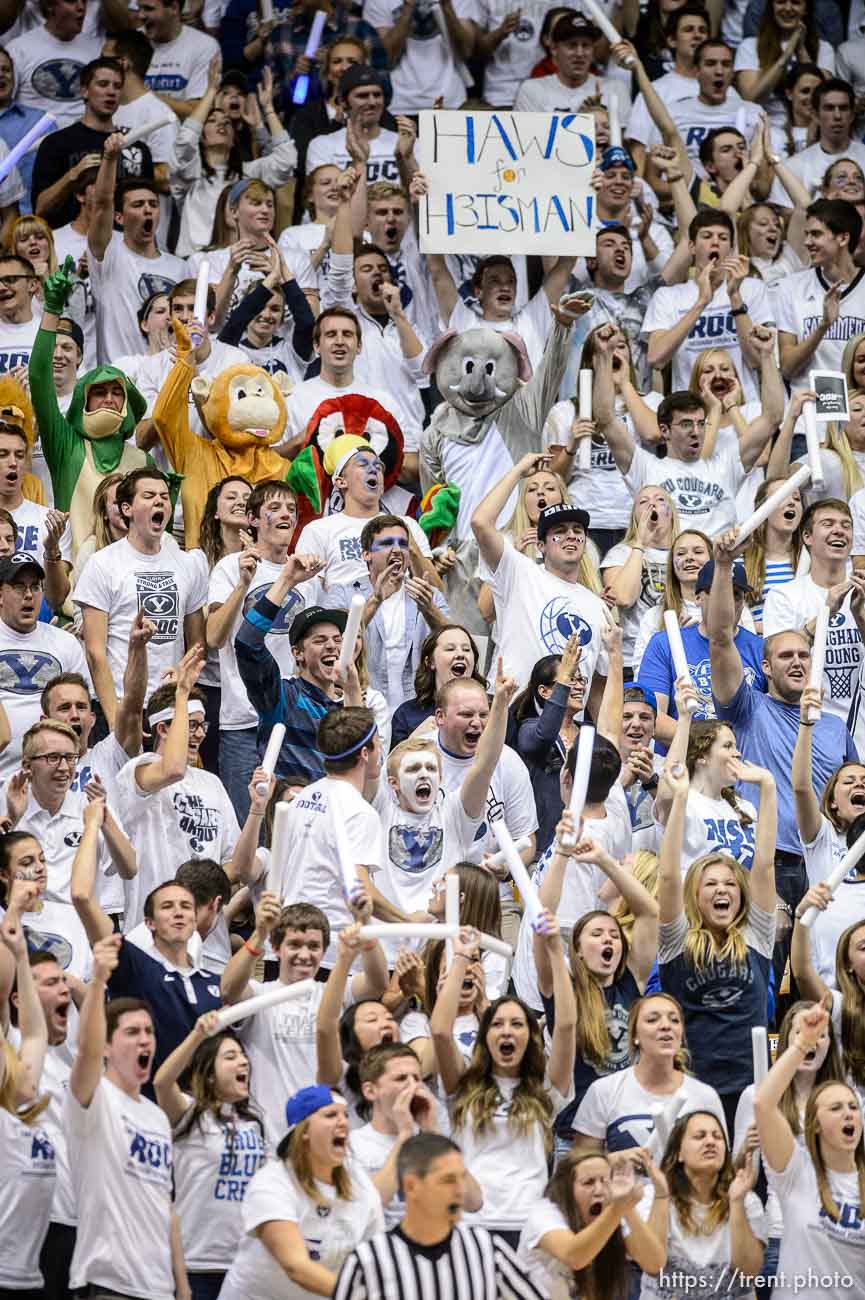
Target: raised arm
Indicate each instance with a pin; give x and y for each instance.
(664, 344)
(127, 719)
(726, 662)
(101, 222)
(259, 671)
(797, 353)
(89, 1064)
(446, 292)
(777, 1141)
(609, 720)
(165, 1081)
(234, 984)
(808, 816)
(619, 441)
(96, 649)
(801, 956)
(490, 541)
(476, 782)
(97, 924)
(563, 1048)
(762, 875)
(32, 1024)
(170, 765)
(327, 1043)
(450, 1061)
(755, 436)
(671, 894)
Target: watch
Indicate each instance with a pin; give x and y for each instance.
(739, 311)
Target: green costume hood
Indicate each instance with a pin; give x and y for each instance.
(106, 451)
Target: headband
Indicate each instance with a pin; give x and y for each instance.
(346, 753)
(165, 715)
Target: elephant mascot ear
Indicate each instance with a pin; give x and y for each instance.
(524, 366)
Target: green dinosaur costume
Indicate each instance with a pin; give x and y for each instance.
(79, 457)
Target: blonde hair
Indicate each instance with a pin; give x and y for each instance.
(10, 1074)
(837, 441)
(676, 523)
(673, 598)
(410, 746)
(30, 224)
(593, 1033)
(40, 727)
(755, 549)
(701, 946)
(294, 1149)
(852, 1007)
(700, 365)
(645, 870)
(682, 1057)
(815, 1151)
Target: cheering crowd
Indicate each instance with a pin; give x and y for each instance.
(238, 402)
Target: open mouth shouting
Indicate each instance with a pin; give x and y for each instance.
(142, 1063)
(507, 1050)
(848, 1131)
(608, 952)
(596, 1207)
(460, 668)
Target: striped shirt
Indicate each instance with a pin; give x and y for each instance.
(777, 574)
(470, 1264)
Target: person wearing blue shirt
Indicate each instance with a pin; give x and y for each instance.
(657, 671)
(15, 122)
(766, 727)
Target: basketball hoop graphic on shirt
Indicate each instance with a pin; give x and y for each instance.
(558, 623)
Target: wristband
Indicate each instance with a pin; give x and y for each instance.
(51, 559)
(256, 952)
(739, 311)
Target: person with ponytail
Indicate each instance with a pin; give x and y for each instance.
(820, 1185)
(572, 1242)
(618, 1110)
(305, 1211)
(717, 937)
(771, 554)
(219, 1144)
(716, 1229)
(848, 997)
(503, 1102)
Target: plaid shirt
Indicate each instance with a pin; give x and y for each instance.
(287, 42)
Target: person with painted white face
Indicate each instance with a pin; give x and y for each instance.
(281, 1040)
(219, 1145)
(120, 1149)
(821, 1187)
(27, 1155)
(305, 1211)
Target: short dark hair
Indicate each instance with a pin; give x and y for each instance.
(707, 144)
(418, 1154)
(205, 880)
(118, 1007)
(364, 248)
(708, 217)
(300, 916)
(62, 679)
(671, 26)
(378, 525)
(374, 1062)
(335, 311)
(29, 268)
(826, 503)
(615, 228)
(89, 71)
(128, 185)
(341, 731)
(188, 287)
(485, 263)
(135, 47)
(840, 217)
(165, 697)
(709, 42)
(267, 490)
(150, 900)
(681, 400)
(604, 771)
(128, 485)
(830, 85)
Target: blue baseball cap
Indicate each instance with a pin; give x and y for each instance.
(707, 573)
(647, 693)
(306, 1102)
(616, 156)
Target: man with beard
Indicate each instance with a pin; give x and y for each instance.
(143, 571)
(361, 92)
(767, 725)
(128, 267)
(120, 1149)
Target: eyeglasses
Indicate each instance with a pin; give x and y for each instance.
(388, 544)
(197, 727)
(11, 280)
(55, 760)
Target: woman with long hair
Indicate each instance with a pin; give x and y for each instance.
(572, 1242)
(716, 1230)
(787, 36)
(799, 126)
(503, 1102)
(772, 552)
(608, 973)
(853, 362)
(821, 1184)
(825, 829)
(422, 978)
(320, 202)
(717, 938)
(634, 571)
(848, 995)
(688, 553)
(481, 910)
(224, 519)
(305, 1211)
(765, 236)
(206, 156)
(618, 1110)
(32, 237)
(219, 1144)
(546, 717)
(714, 377)
(448, 652)
(27, 1162)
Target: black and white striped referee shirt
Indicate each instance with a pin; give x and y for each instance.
(470, 1264)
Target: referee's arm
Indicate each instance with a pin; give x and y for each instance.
(351, 1283)
(511, 1282)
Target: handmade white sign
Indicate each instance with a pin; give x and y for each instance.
(507, 183)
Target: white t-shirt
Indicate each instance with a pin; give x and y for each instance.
(151, 373)
(235, 711)
(799, 309)
(27, 1177)
(653, 579)
(622, 1113)
(381, 165)
(602, 485)
(150, 108)
(704, 490)
(551, 95)
(55, 1082)
(179, 67)
(192, 818)
(217, 259)
(336, 539)
(694, 120)
(426, 69)
(16, 342)
(814, 1246)
(792, 606)
(214, 1162)
(304, 400)
(31, 531)
(670, 87)
(847, 907)
(512, 61)
(773, 105)
(370, 1150)
(699, 1261)
(536, 613)
(121, 282)
(28, 661)
(168, 586)
(712, 826)
(331, 1228)
(714, 328)
(311, 869)
(121, 1158)
(811, 165)
(532, 322)
(47, 72)
(510, 796)
(511, 1169)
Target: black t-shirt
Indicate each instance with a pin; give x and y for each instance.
(61, 150)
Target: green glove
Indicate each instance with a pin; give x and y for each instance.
(57, 288)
